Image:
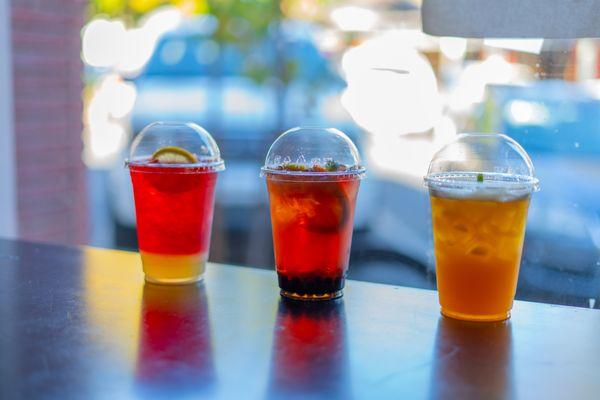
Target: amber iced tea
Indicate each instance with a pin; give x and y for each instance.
(312, 175)
(480, 185)
(478, 244)
(312, 218)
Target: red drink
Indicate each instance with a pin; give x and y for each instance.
(312, 209)
(174, 169)
(174, 209)
(175, 350)
(312, 218)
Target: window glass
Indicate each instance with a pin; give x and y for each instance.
(369, 70)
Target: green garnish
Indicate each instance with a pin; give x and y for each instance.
(293, 167)
(331, 166)
(479, 177)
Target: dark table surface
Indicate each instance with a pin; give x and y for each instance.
(81, 323)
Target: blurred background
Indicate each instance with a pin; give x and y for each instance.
(88, 77)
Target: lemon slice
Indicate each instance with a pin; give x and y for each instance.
(173, 155)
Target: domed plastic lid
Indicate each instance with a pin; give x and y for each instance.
(313, 151)
(482, 164)
(176, 144)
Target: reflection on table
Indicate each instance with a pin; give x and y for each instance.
(472, 360)
(175, 351)
(310, 354)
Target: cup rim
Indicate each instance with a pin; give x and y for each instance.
(510, 182)
(212, 166)
(356, 173)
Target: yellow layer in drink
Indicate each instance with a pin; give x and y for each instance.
(173, 269)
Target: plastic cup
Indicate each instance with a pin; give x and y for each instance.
(480, 186)
(312, 175)
(174, 198)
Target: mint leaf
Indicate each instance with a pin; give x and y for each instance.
(331, 166)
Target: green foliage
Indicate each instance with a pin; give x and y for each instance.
(242, 23)
(258, 13)
(108, 7)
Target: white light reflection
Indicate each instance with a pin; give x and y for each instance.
(102, 42)
(104, 134)
(521, 112)
(407, 157)
(138, 47)
(354, 19)
(103, 141)
(109, 44)
(328, 41)
(453, 48)
(111, 97)
(403, 112)
(533, 46)
(592, 88)
(161, 20)
(384, 102)
(474, 79)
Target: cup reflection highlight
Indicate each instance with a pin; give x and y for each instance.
(310, 353)
(175, 350)
(473, 360)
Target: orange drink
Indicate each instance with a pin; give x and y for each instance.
(478, 246)
(479, 186)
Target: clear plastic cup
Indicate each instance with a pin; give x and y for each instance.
(479, 186)
(173, 169)
(312, 175)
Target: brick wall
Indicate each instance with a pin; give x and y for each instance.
(51, 177)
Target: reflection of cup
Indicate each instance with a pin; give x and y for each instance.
(312, 210)
(480, 186)
(175, 351)
(472, 360)
(309, 351)
(173, 169)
